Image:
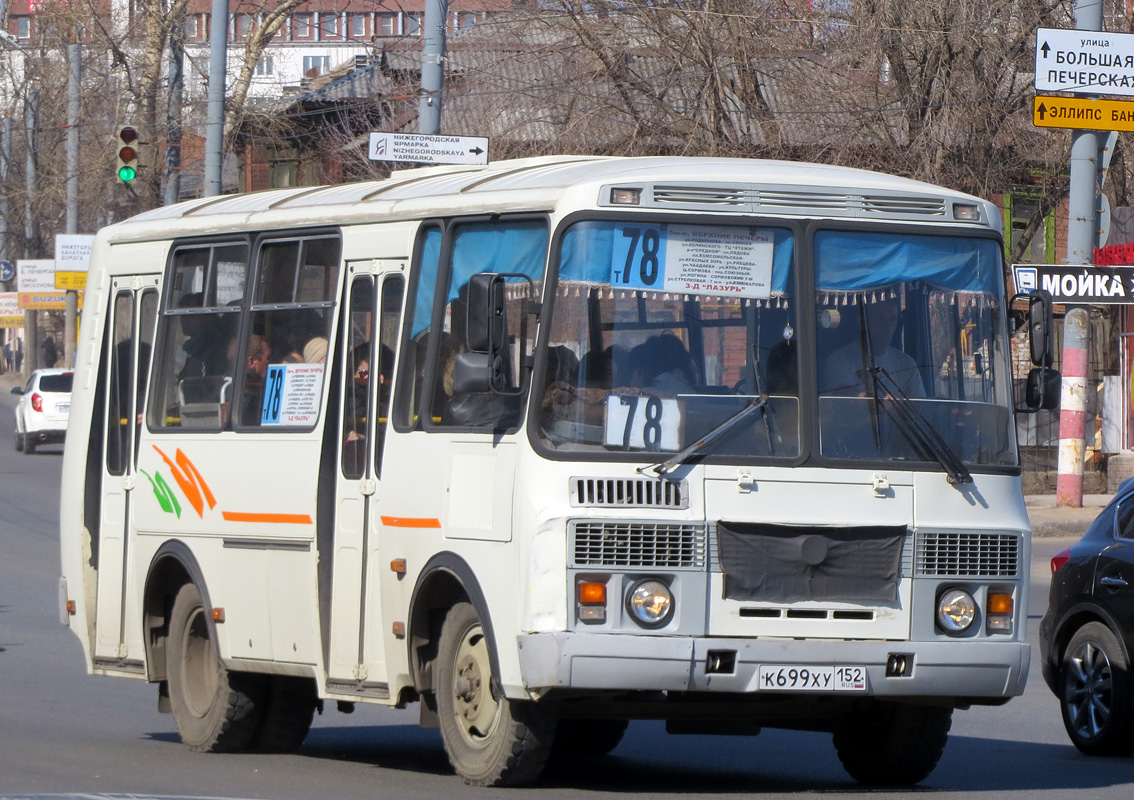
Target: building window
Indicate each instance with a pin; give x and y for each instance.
(465, 20)
(23, 27)
(1020, 209)
(244, 24)
(192, 26)
(387, 24)
(315, 65)
(265, 66)
(358, 26)
(329, 25)
(413, 24)
(302, 26)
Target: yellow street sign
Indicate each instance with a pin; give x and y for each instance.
(78, 280)
(1081, 112)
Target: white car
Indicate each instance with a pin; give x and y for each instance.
(41, 416)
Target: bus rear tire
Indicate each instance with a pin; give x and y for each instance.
(289, 709)
(893, 744)
(215, 710)
(490, 741)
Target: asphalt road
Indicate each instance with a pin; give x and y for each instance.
(62, 731)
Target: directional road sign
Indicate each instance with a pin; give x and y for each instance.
(1084, 62)
(7, 271)
(1083, 113)
(426, 149)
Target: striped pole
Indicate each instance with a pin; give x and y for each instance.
(1072, 410)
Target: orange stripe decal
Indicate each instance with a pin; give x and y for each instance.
(411, 522)
(244, 516)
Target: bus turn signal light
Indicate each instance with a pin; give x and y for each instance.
(592, 601)
(218, 614)
(999, 611)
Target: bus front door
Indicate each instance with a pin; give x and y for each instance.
(131, 317)
(357, 652)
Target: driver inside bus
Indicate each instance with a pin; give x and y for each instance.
(844, 367)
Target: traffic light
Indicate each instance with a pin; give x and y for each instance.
(127, 153)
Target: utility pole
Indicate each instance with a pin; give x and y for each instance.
(71, 307)
(173, 113)
(1082, 237)
(432, 67)
(31, 319)
(214, 121)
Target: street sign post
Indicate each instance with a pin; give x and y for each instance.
(1084, 62)
(1083, 113)
(426, 149)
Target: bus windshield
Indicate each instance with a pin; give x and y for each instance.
(662, 333)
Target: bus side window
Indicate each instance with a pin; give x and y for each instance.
(194, 370)
(393, 290)
(292, 305)
(415, 345)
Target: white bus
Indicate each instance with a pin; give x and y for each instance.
(550, 445)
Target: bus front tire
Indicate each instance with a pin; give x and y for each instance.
(893, 744)
(215, 710)
(490, 741)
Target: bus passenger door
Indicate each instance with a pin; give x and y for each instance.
(130, 321)
(357, 662)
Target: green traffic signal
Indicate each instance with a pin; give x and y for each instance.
(127, 153)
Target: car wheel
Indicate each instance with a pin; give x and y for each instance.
(216, 710)
(19, 442)
(490, 740)
(1095, 693)
(29, 445)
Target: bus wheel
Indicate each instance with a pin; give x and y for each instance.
(216, 710)
(289, 708)
(893, 744)
(588, 737)
(491, 741)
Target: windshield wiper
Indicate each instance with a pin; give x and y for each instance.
(915, 427)
(709, 439)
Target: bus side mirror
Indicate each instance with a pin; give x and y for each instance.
(478, 373)
(1041, 327)
(1042, 391)
(486, 317)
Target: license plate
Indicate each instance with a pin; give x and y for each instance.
(775, 678)
(63, 408)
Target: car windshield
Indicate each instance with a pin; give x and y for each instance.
(56, 383)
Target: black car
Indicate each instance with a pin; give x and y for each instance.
(1087, 634)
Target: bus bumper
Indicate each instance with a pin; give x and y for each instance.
(960, 669)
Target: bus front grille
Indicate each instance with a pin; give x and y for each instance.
(968, 554)
(628, 493)
(637, 544)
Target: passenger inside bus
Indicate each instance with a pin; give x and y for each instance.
(661, 363)
(259, 351)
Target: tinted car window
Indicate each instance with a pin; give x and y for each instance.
(56, 383)
(1126, 519)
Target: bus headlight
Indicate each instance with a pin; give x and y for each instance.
(650, 603)
(956, 610)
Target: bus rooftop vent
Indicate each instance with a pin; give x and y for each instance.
(644, 544)
(968, 554)
(628, 493)
(792, 200)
